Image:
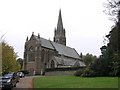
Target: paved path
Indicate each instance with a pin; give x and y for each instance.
(25, 83)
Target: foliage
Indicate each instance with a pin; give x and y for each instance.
(100, 67)
(20, 61)
(87, 72)
(63, 69)
(112, 54)
(78, 72)
(25, 71)
(89, 59)
(112, 9)
(108, 63)
(75, 82)
(9, 63)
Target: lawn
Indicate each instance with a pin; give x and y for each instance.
(75, 82)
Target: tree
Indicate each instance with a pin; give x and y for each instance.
(89, 59)
(113, 45)
(110, 57)
(20, 61)
(108, 64)
(9, 63)
(112, 9)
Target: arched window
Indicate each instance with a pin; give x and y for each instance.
(52, 64)
(31, 54)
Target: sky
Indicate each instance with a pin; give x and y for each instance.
(84, 21)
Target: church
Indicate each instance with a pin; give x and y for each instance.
(40, 53)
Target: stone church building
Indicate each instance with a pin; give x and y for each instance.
(40, 53)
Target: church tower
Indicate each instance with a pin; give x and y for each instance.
(59, 33)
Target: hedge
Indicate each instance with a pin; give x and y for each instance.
(63, 69)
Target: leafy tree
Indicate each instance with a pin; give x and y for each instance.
(108, 64)
(20, 61)
(113, 51)
(89, 59)
(109, 61)
(9, 63)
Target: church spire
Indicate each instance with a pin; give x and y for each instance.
(59, 33)
(60, 23)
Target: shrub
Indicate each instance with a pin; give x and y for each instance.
(6, 72)
(63, 69)
(78, 72)
(88, 73)
(25, 71)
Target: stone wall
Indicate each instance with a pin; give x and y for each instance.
(62, 71)
(59, 73)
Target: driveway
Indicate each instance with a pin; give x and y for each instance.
(25, 83)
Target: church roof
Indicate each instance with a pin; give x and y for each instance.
(46, 43)
(59, 60)
(62, 49)
(65, 50)
(68, 61)
(65, 61)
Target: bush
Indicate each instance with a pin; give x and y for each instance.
(25, 71)
(6, 72)
(63, 69)
(88, 73)
(78, 72)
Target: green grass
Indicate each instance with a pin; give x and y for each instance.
(75, 82)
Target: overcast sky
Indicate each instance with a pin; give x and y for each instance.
(84, 22)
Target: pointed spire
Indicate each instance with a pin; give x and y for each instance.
(32, 33)
(38, 35)
(27, 38)
(60, 23)
(32, 36)
(59, 32)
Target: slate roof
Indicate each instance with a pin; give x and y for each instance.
(65, 50)
(68, 61)
(46, 43)
(71, 62)
(59, 60)
(62, 49)
(65, 61)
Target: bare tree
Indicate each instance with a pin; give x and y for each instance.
(112, 9)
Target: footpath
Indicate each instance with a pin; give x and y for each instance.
(25, 83)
